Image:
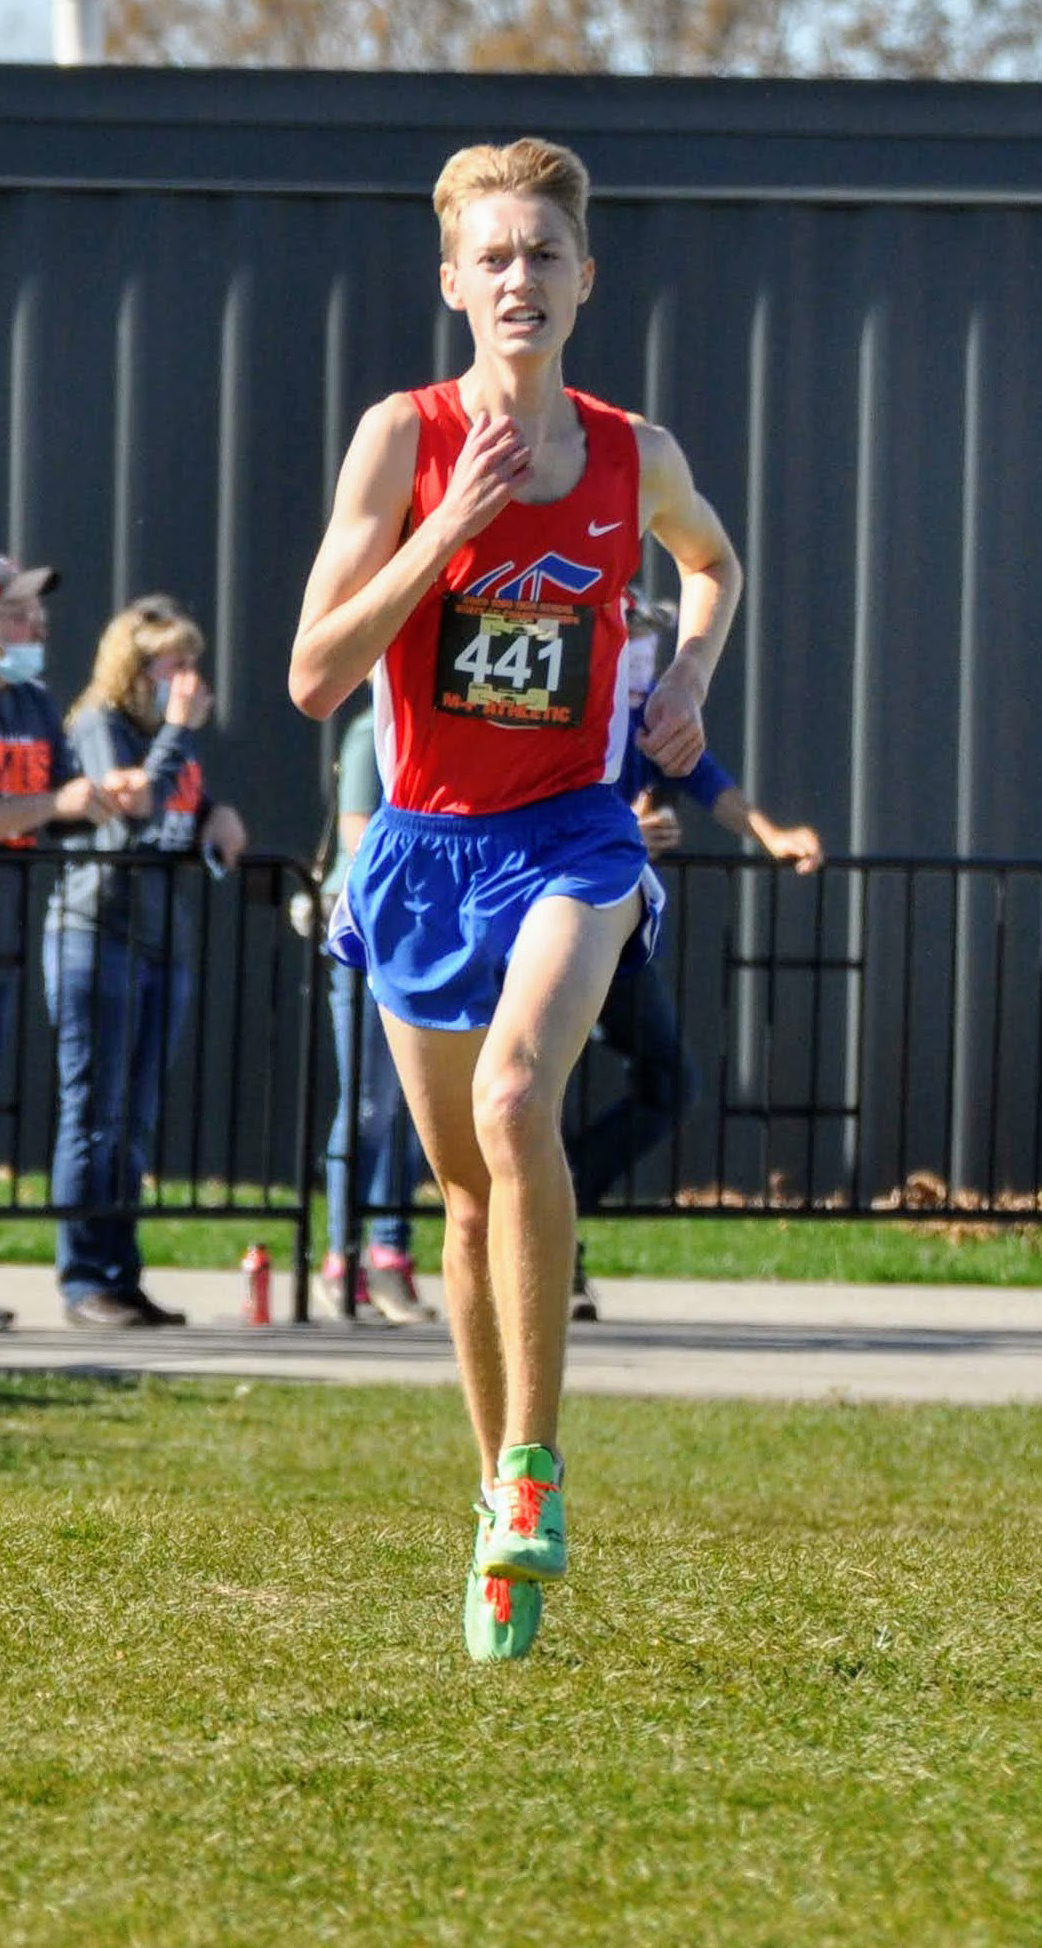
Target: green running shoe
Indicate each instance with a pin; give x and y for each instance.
(500, 1617)
(526, 1538)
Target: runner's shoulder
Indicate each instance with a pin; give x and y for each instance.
(385, 443)
(656, 445)
(395, 417)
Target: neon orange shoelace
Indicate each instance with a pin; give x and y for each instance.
(526, 1498)
(497, 1592)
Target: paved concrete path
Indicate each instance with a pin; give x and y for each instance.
(655, 1336)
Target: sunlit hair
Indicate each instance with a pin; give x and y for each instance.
(154, 625)
(528, 167)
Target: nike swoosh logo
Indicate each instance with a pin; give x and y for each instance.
(602, 527)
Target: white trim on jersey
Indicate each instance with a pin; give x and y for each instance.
(618, 728)
(385, 741)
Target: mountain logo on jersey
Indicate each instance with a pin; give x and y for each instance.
(549, 576)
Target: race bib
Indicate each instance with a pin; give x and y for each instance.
(512, 663)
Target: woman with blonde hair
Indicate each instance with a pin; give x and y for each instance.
(116, 945)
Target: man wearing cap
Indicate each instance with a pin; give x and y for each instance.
(40, 776)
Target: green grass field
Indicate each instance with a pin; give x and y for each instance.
(864, 1251)
(788, 1699)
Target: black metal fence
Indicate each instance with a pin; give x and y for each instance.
(867, 1041)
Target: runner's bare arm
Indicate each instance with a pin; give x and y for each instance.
(710, 585)
(367, 579)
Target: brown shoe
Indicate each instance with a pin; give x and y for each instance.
(153, 1314)
(105, 1309)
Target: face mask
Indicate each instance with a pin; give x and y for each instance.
(643, 652)
(162, 694)
(21, 662)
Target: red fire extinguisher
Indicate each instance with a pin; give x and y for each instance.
(256, 1299)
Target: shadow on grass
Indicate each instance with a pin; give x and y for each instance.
(66, 1389)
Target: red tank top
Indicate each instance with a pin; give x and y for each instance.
(508, 683)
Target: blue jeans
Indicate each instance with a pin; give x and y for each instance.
(112, 1008)
(8, 1000)
(383, 1177)
(639, 1022)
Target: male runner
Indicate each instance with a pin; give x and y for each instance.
(482, 538)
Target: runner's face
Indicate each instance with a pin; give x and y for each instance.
(517, 274)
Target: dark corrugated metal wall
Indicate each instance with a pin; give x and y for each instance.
(850, 370)
(831, 293)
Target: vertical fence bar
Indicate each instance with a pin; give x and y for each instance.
(810, 1157)
(231, 1149)
(271, 1000)
(202, 943)
(861, 1057)
(997, 1013)
(55, 1090)
(769, 1046)
(1036, 1161)
(18, 1017)
(907, 962)
(953, 989)
(680, 1010)
(127, 979)
(726, 997)
(174, 870)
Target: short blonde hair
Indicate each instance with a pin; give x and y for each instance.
(153, 626)
(528, 167)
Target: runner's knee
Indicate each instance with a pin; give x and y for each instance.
(513, 1116)
(466, 1217)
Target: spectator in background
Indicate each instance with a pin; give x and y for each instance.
(40, 776)
(116, 945)
(388, 1172)
(639, 1020)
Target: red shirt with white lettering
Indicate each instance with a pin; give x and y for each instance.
(35, 754)
(508, 683)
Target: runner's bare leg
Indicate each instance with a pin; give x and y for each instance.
(563, 962)
(510, 1209)
(436, 1069)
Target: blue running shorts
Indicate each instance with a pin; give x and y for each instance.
(433, 903)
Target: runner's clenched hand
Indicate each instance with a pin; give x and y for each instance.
(673, 736)
(495, 460)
